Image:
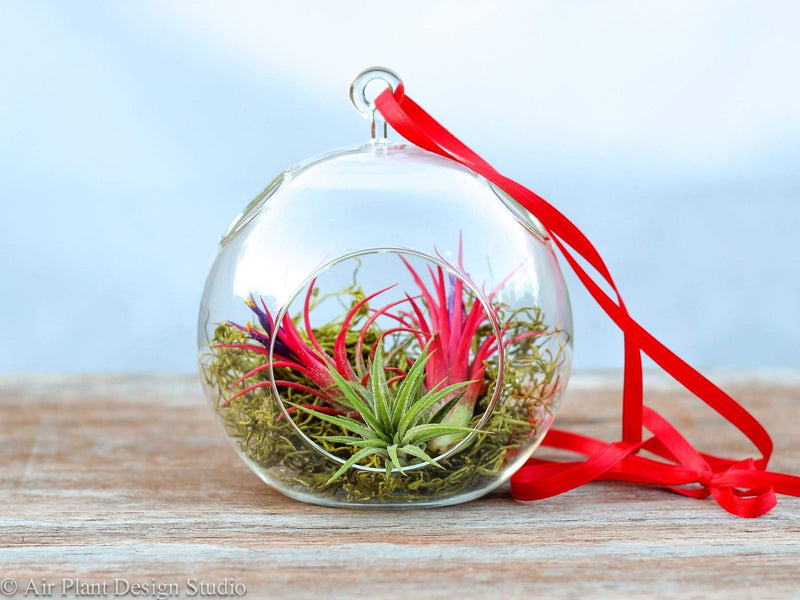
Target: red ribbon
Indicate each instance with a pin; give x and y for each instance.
(744, 488)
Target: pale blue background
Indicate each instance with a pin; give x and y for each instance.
(132, 133)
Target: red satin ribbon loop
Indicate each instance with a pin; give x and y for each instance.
(744, 488)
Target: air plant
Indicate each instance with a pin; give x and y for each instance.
(452, 328)
(293, 352)
(394, 424)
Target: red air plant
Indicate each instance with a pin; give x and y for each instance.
(452, 331)
(293, 352)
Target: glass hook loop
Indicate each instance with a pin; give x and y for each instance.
(366, 107)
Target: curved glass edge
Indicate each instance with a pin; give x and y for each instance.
(525, 217)
(254, 208)
(447, 500)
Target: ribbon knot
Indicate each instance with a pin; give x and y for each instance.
(732, 475)
(743, 489)
(706, 478)
(732, 488)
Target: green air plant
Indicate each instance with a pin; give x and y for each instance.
(395, 423)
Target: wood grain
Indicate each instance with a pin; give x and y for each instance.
(130, 477)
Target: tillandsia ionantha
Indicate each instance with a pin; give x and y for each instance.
(386, 408)
(452, 328)
(394, 424)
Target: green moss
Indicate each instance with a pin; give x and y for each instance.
(270, 440)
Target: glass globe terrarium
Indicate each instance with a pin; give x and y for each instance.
(382, 326)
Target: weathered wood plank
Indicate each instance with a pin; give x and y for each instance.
(130, 477)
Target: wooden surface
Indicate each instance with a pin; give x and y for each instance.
(130, 478)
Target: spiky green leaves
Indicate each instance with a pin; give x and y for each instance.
(396, 424)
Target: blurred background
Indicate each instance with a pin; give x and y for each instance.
(132, 133)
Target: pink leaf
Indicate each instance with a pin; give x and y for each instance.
(276, 364)
(256, 349)
(307, 321)
(339, 346)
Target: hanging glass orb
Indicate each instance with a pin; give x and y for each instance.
(383, 326)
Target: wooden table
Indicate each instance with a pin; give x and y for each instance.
(129, 478)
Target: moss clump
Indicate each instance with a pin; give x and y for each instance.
(271, 441)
